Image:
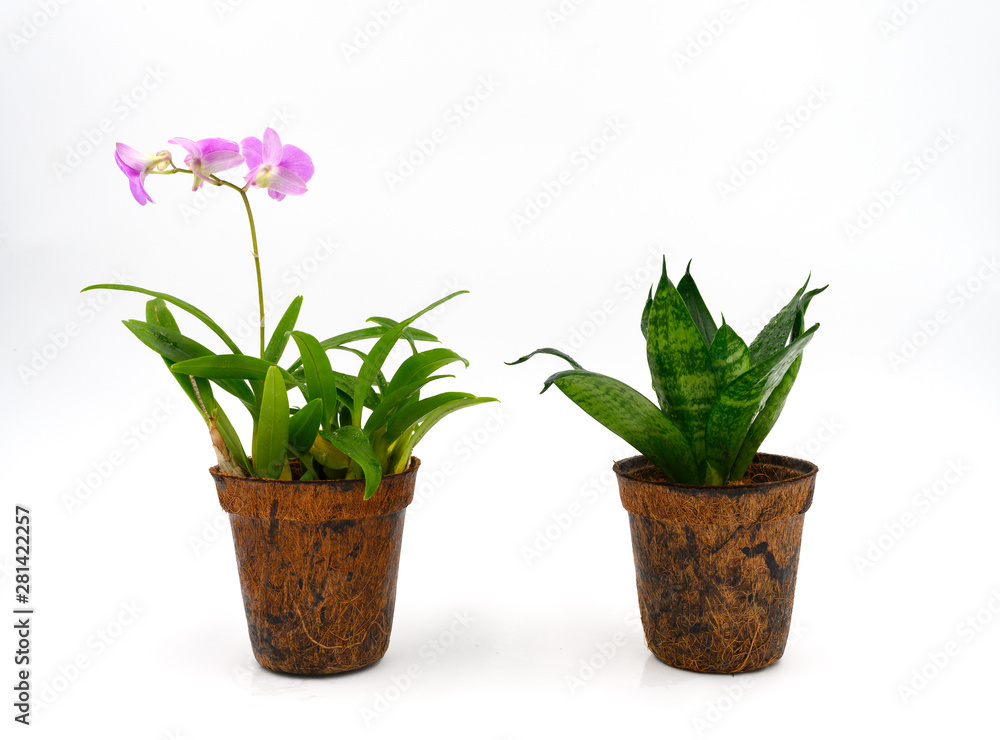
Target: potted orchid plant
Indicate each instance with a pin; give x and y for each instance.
(716, 525)
(317, 499)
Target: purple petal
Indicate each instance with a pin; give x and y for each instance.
(193, 147)
(251, 176)
(298, 161)
(132, 157)
(272, 147)
(285, 181)
(217, 145)
(251, 148)
(220, 159)
(135, 180)
(129, 171)
(276, 195)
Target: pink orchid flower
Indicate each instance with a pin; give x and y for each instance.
(283, 170)
(136, 166)
(208, 156)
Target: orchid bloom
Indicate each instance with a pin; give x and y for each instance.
(208, 156)
(283, 170)
(137, 165)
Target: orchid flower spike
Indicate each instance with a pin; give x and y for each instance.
(208, 156)
(283, 170)
(137, 165)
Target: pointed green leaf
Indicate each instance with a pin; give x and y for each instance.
(547, 351)
(738, 404)
(415, 433)
(774, 335)
(304, 426)
(392, 402)
(634, 418)
(700, 314)
(279, 339)
(231, 439)
(379, 353)
(354, 443)
(320, 380)
(729, 356)
(271, 439)
(232, 367)
(196, 312)
(679, 365)
(644, 321)
(422, 364)
(369, 332)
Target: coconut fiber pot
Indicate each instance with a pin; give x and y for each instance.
(715, 565)
(318, 567)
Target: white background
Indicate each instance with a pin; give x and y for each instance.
(888, 573)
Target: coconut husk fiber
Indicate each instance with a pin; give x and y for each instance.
(716, 565)
(318, 567)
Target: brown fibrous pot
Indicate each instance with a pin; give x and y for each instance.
(716, 565)
(318, 567)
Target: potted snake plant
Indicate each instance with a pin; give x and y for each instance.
(716, 525)
(317, 505)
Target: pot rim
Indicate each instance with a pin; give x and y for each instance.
(804, 468)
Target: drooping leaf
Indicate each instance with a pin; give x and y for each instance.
(271, 439)
(304, 426)
(729, 356)
(279, 339)
(196, 312)
(379, 353)
(354, 443)
(633, 417)
(700, 314)
(547, 351)
(679, 365)
(320, 381)
(738, 404)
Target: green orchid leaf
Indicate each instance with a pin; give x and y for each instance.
(174, 347)
(304, 426)
(444, 404)
(379, 353)
(184, 305)
(230, 439)
(738, 404)
(394, 401)
(774, 335)
(679, 364)
(368, 332)
(729, 356)
(271, 439)
(279, 339)
(700, 314)
(422, 364)
(353, 442)
(229, 367)
(547, 351)
(415, 412)
(633, 417)
(380, 381)
(320, 380)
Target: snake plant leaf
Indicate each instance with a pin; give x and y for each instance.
(320, 381)
(184, 305)
(175, 347)
(354, 443)
(700, 314)
(410, 437)
(396, 400)
(774, 335)
(279, 339)
(644, 321)
(800, 314)
(633, 417)
(422, 364)
(303, 427)
(679, 364)
(547, 351)
(379, 353)
(271, 440)
(738, 404)
(728, 355)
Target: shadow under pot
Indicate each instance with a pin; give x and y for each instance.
(715, 566)
(318, 567)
